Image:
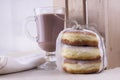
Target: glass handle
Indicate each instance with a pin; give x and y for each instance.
(27, 32)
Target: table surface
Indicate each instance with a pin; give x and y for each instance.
(37, 74)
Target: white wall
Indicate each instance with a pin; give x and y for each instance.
(12, 17)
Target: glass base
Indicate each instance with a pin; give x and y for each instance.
(50, 62)
(48, 66)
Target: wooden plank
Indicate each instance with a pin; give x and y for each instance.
(76, 11)
(66, 14)
(96, 15)
(113, 32)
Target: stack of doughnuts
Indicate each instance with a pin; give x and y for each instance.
(80, 52)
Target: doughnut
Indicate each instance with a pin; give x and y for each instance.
(81, 67)
(78, 38)
(80, 52)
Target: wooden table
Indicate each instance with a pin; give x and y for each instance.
(37, 74)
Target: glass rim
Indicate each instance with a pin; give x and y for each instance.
(49, 7)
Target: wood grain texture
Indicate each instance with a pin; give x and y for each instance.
(76, 11)
(96, 15)
(113, 32)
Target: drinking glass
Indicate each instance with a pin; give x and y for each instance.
(49, 22)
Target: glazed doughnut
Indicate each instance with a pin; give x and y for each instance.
(78, 38)
(80, 52)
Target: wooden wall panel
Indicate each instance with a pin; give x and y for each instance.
(96, 15)
(76, 11)
(113, 32)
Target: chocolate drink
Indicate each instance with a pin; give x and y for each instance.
(48, 28)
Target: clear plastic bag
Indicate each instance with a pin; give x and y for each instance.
(80, 48)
